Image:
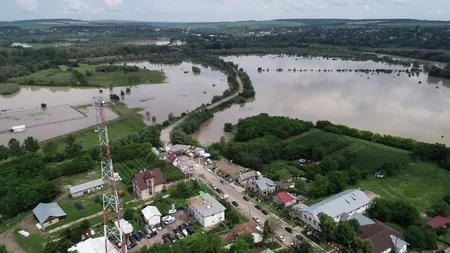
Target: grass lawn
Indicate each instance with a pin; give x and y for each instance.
(90, 208)
(11, 222)
(118, 78)
(32, 244)
(8, 88)
(421, 184)
(47, 77)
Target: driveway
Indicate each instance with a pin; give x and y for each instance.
(181, 217)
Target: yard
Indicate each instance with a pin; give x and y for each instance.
(421, 184)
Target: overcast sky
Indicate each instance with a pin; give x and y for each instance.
(222, 10)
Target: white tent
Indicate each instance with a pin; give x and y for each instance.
(126, 226)
(94, 245)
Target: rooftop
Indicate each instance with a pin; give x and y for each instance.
(339, 204)
(285, 197)
(150, 211)
(85, 186)
(94, 245)
(45, 210)
(141, 178)
(381, 236)
(439, 221)
(362, 220)
(247, 175)
(264, 183)
(206, 205)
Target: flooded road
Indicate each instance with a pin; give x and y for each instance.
(181, 92)
(382, 103)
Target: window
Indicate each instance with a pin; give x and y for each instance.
(304, 216)
(314, 222)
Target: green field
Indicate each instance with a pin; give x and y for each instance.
(8, 88)
(61, 77)
(421, 184)
(32, 244)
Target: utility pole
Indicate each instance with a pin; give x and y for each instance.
(110, 195)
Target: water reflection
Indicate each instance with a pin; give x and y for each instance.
(383, 103)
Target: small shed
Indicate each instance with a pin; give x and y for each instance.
(48, 213)
(152, 215)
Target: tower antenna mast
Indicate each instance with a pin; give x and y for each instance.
(111, 201)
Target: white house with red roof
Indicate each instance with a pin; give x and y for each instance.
(284, 198)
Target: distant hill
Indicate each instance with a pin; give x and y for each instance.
(47, 20)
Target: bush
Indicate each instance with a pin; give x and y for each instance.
(8, 88)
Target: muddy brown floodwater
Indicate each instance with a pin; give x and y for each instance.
(180, 93)
(383, 103)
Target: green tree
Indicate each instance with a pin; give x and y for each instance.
(171, 117)
(49, 148)
(327, 226)
(441, 208)
(2, 249)
(4, 152)
(319, 187)
(268, 231)
(73, 148)
(362, 246)
(302, 247)
(181, 191)
(420, 238)
(31, 144)
(345, 233)
(354, 175)
(242, 245)
(318, 153)
(300, 186)
(128, 214)
(14, 147)
(228, 127)
(337, 181)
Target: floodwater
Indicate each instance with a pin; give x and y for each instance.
(383, 103)
(181, 92)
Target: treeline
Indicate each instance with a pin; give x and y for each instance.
(440, 72)
(423, 55)
(438, 153)
(263, 124)
(248, 89)
(113, 68)
(192, 123)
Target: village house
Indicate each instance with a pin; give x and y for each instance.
(248, 228)
(148, 183)
(246, 177)
(439, 222)
(85, 188)
(284, 199)
(339, 207)
(48, 214)
(174, 160)
(206, 210)
(263, 186)
(383, 238)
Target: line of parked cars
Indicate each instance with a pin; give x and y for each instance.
(179, 232)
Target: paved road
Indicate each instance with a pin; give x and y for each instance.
(248, 207)
(165, 133)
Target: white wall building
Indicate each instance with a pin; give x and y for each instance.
(152, 215)
(339, 206)
(85, 188)
(94, 245)
(206, 210)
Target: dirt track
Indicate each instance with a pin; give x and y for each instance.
(7, 238)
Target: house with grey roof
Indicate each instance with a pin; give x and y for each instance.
(246, 177)
(263, 186)
(88, 187)
(48, 213)
(206, 210)
(341, 206)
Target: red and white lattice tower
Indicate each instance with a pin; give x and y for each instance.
(110, 196)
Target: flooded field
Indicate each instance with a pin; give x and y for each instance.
(382, 103)
(180, 93)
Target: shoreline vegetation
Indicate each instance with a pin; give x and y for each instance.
(8, 88)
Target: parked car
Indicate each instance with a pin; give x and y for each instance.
(172, 238)
(235, 203)
(170, 220)
(166, 240)
(245, 198)
(152, 228)
(219, 190)
(131, 238)
(183, 230)
(258, 207)
(255, 219)
(190, 230)
(138, 236)
(225, 196)
(281, 237)
(159, 227)
(221, 181)
(265, 212)
(131, 245)
(214, 186)
(172, 211)
(152, 234)
(289, 229)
